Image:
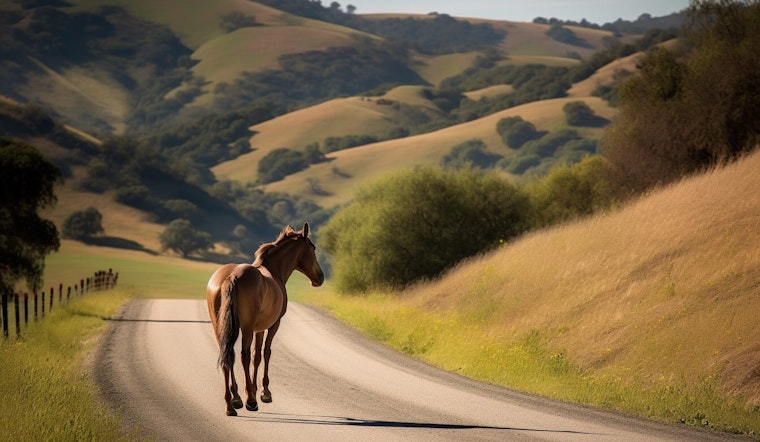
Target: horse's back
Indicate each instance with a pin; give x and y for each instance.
(261, 299)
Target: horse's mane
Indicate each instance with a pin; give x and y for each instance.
(286, 233)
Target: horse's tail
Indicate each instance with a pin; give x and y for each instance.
(228, 323)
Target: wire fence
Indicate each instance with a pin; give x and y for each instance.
(33, 307)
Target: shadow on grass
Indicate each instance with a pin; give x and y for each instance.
(117, 243)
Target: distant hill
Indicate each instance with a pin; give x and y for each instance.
(214, 87)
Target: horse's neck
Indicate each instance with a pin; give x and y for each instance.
(279, 266)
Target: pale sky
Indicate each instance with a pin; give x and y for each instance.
(595, 11)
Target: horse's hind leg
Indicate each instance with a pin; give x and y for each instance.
(237, 402)
(227, 395)
(251, 403)
(266, 395)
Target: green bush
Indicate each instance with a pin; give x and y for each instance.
(280, 163)
(417, 223)
(515, 131)
(568, 192)
(471, 153)
(83, 224)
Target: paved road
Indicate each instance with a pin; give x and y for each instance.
(156, 364)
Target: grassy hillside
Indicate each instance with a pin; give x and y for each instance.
(339, 176)
(649, 309)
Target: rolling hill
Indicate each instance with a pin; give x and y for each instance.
(98, 98)
(345, 169)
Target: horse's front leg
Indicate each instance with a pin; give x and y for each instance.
(266, 395)
(250, 389)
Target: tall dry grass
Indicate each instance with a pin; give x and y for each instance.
(663, 291)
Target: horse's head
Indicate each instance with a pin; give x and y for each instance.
(307, 263)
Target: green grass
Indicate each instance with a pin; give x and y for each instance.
(151, 276)
(47, 395)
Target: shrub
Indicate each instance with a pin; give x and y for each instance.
(568, 192)
(515, 133)
(280, 163)
(471, 153)
(417, 223)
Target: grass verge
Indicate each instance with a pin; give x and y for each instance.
(46, 393)
(529, 364)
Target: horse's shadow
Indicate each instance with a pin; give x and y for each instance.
(348, 421)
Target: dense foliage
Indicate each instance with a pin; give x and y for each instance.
(471, 153)
(435, 34)
(440, 34)
(578, 113)
(83, 224)
(312, 76)
(692, 107)
(181, 237)
(568, 192)
(212, 139)
(27, 184)
(418, 223)
(564, 35)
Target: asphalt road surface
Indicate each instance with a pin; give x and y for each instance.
(156, 366)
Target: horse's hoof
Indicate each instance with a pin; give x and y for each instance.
(231, 412)
(237, 403)
(251, 405)
(266, 397)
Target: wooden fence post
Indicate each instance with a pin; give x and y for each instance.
(52, 296)
(35, 306)
(4, 303)
(18, 316)
(26, 308)
(43, 303)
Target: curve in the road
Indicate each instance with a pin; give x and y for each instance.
(156, 365)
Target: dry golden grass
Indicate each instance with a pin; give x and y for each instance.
(436, 68)
(604, 76)
(338, 117)
(226, 57)
(194, 21)
(661, 293)
(118, 220)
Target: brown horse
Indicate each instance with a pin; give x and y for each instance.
(251, 298)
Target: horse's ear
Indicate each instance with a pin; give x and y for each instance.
(306, 230)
